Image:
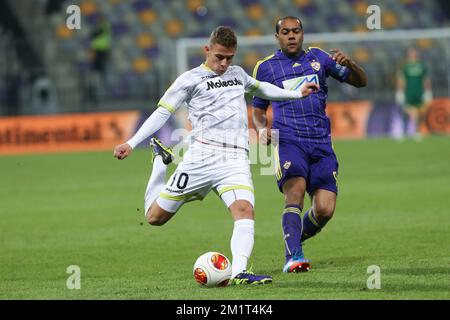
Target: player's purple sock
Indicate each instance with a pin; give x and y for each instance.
(310, 225)
(292, 229)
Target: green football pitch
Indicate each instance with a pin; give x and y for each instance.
(85, 209)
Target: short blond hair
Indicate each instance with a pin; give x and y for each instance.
(224, 36)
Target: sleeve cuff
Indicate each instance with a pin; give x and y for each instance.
(254, 87)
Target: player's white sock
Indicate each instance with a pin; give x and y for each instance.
(156, 182)
(242, 244)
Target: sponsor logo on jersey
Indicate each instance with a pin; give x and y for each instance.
(295, 84)
(223, 83)
(296, 65)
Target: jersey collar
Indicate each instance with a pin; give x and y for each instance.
(204, 66)
(282, 55)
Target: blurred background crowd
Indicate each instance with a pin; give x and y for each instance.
(124, 55)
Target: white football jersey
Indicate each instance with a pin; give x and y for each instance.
(216, 104)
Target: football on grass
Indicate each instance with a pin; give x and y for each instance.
(212, 269)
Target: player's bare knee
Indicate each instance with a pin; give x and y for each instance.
(294, 191)
(294, 197)
(155, 221)
(156, 216)
(246, 211)
(242, 210)
(324, 213)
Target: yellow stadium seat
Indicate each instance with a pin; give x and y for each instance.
(62, 32)
(88, 7)
(302, 3)
(360, 28)
(255, 12)
(361, 54)
(254, 32)
(174, 28)
(250, 60)
(145, 40)
(389, 20)
(148, 16)
(193, 5)
(360, 8)
(142, 65)
(424, 43)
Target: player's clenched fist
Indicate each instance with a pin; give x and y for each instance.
(340, 57)
(122, 151)
(309, 88)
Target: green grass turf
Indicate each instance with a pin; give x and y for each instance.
(85, 209)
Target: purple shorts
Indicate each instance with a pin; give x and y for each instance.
(316, 162)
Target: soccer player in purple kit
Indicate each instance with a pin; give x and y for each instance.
(305, 159)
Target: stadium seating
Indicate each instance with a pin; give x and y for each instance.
(144, 31)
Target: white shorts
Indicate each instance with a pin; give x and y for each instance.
(203, 169)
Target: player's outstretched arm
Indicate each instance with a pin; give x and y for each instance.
(149, 127)
(269, 91)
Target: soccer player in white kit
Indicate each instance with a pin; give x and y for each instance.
(217, 158)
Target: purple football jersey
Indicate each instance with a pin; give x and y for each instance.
(303, 119)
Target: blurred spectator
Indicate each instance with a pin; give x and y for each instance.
(413, 91)
(101, 45)
(43, 96)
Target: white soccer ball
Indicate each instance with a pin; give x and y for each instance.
(212, 269)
